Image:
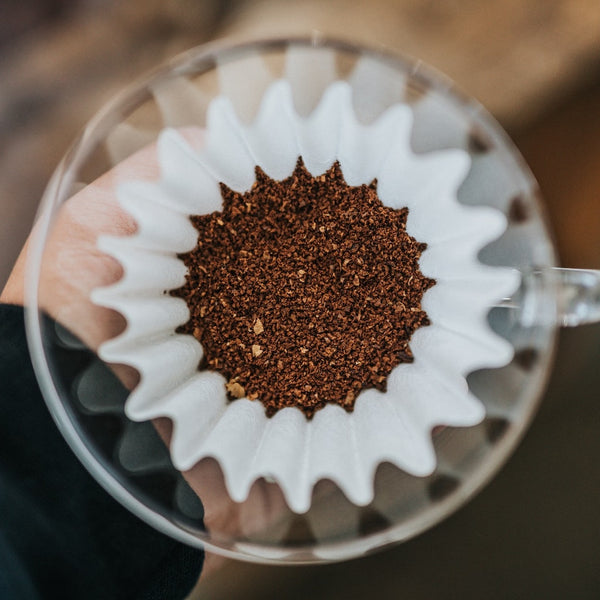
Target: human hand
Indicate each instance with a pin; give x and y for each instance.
(72, 268)
(72, 264)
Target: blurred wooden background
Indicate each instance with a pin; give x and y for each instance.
(60, 60)
(534, 532)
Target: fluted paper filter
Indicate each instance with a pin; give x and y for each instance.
(288, 448)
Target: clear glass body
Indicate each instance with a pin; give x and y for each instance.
(130, 460)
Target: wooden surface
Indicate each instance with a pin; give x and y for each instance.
(517, 58)
(563, 151)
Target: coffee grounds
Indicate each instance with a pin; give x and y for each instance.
(304, 291)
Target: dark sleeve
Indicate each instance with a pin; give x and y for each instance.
(61, 535)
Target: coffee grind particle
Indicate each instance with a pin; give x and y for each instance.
(304, 291)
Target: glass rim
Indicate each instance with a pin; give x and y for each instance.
(200, 60)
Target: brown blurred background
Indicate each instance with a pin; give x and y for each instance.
(534, 532)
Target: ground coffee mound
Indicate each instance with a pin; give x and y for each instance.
(304, 291)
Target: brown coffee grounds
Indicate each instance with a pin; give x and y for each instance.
(304, 291)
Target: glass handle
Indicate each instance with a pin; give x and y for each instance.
(578, 296)
(567, 297)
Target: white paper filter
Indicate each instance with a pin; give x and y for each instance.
(345, 447)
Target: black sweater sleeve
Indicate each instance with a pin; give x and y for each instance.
(61, 535)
